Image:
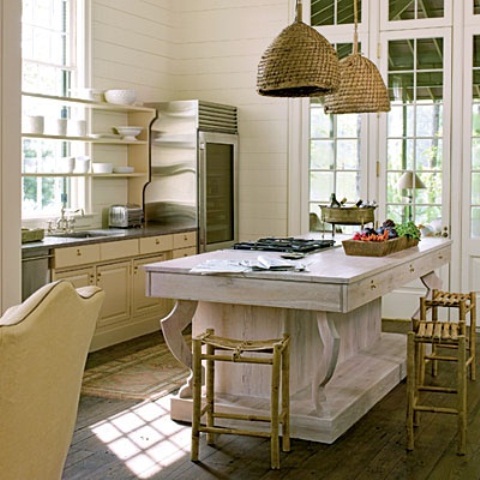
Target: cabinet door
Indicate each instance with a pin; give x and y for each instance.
(142, 304)
(80, 277)
(115, 280)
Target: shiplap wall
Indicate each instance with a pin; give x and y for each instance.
(207, 49)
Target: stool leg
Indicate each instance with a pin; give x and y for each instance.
(274, 421)
(196, 393)
(462, 395)
(411, 380)
(434, 346)
(210, 393)
(286, 396)
(472, 337)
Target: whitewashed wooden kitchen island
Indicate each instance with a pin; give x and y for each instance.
(341, 362)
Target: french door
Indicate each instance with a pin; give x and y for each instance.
(415, 137)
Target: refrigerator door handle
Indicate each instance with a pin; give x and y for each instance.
(202, 198)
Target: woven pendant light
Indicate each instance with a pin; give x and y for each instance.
(361, 88)
(298, 63)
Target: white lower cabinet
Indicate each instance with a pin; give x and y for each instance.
(143, 305)
(115, 280)
(117, 268)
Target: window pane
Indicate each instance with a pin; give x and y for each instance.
(401, 121)
(321, 125)
(333, 12)
(400, 55)
(475, 222)
(322, 154)
(348, 186)
(429, 154)
(415, 9)
(400, 154)
(321, 186)
(476, 188)
(476, 7)
(347, 155)
(476, 153)
(429, 120)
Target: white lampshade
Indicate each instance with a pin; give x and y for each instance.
(410, 180)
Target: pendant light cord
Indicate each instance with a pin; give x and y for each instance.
(298, 11)
(355, 32)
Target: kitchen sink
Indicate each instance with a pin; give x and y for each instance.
(85, 234)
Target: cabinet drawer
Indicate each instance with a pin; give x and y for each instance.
(184, 252)
(73, 256)
(181, 240)
(159, 243)
(121, 249)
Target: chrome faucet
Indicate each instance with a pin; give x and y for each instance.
(66, 221)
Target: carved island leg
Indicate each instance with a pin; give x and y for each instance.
(431, 281)
(172, 327)
(330, 340)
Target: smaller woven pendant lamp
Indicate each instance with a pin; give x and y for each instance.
(361, 88)
(298, 63)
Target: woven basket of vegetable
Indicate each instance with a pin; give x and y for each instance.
(378, 249)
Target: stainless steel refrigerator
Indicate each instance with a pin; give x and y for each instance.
(194, 152)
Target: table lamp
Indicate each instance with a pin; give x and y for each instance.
(410, 181)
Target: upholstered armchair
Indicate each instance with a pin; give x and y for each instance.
(44, 344)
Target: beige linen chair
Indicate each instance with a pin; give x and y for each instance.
(43, 349)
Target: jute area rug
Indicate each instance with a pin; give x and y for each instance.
(140, 369)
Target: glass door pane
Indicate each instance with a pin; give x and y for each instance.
(415, 135)
(219, 179)
(475, 152)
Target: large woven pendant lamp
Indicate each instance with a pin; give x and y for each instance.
(298, 63)
(361, 88)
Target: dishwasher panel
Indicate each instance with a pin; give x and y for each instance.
(35, 270)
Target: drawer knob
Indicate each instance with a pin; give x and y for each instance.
(157, 241)
(373, 286)
(79, 253)
(412, 268)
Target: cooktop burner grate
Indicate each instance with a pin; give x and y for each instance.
(289, 244)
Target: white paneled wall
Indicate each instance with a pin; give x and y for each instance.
(206, 49)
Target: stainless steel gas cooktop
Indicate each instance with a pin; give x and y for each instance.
(288, 244)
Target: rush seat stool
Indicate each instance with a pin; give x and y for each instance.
(267, 352)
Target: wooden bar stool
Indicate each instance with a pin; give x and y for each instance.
(267, 352)
(466, 304)
(446, 333)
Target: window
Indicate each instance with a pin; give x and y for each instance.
(50, 66)
(413, 136)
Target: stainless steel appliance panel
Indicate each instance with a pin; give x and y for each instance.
(194, 148)
(35, 270)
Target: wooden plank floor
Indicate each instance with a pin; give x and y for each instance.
(125, 440)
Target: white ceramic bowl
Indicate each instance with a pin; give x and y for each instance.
(121, 97)
(123, 169)
(129, 133)
(98, 167)
(82, 164)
